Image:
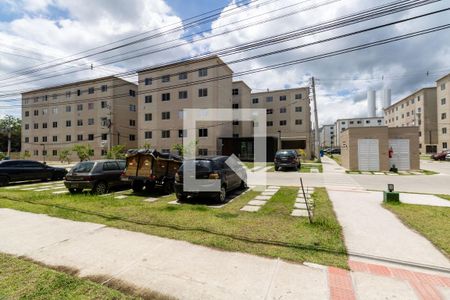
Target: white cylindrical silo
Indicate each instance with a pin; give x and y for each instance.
(387, 98)
(371, 106)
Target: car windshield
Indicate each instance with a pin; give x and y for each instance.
(83, 167)
(285, 153)
(200, 165)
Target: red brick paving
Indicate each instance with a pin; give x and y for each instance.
(340, 284)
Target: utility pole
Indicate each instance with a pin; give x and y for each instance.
(9, 142)
(316, 121)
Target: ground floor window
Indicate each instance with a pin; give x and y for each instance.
(202, 152)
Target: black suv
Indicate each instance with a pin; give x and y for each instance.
(211, 168)
(21, 170)
(287, 159)
(99, 176)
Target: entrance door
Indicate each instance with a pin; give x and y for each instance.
(368, 155)
(400, 155)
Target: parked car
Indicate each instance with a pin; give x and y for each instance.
(151, 169)
(287, 159)
(211, 167)
(99, 176)
(22, 170)
(441, 155)
(447, 157)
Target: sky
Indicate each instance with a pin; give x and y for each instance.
(36, 33)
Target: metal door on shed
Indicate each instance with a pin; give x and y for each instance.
(400, 154)
(368, 155)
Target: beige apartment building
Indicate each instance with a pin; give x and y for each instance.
(443, 112)
(100, 112)
(418, 109)
(327, 133)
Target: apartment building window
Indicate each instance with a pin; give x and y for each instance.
(79, 137)
(298, 122)
(203, 132)
(36, 139)
(104, 136)
(68, 123)
(269, 111)
(91, 121)
(68, 94)
(148, 81)
(235, 135)
(396, 118)
(79, 107)
(148, 99)
(104, 88)
(148, 134)
(255, 100)
(379, 121)
(235, 91)
(407, 114)
(444, 145)
(403, 105)
(54, 152)
(132, 107)
(235, 105)
(182, 76)
(44, 111)
(54, 96)
(298, 109)
(298, 96)
(132, 137)
(90, 137)
(78, 92)
(443, 88)
(45, 98)
(132, 123)
(282, 110)
(443, 101)
(35, 152)
(203, 92)
(68, 108)
(283, 123)
(165, 134)
(79, 122)
(68, 138)
(407, 102)
(44, 125)
(27, 139)
(443, 116)
(27, 113)
(182, 133)
(269, 123)
(90, 105)
(36, 126)
(44, 139)
(358, 122)
(403, 116)
(165, 97)
(283, 98)
(103, 104)
(90, 90)
(412, 101)
(235, 122)
(420, 133)
(269, 99)
(165, 78)
(54, 111)
(182, 95)
(148, 117)
(132, 93)
(396, 109)
(202, 151)
(36, 112)
(418, 98)
(55, 138)
(165, 115)
(27, 126)
(444, 130)
(203, 72)
(36, 99)
(367, 121)
(55, 124)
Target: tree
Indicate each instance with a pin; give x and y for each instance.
(26, 154)
(13, 124)
(116, 152)
(84, 152)
(179, 148)
(147, 146)
(64, 155)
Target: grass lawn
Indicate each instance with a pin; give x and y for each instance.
(24, 279)
(306, 168)
(269, 232)
(431, 221)
(336, 158)
(425, 157)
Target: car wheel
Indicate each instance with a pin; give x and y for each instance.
(149, 186)
(243, 185)
(74, 191)
(100, 188)
(4, 181)
(181, 197)
(137, 186)
(222, 195)
(276, 167)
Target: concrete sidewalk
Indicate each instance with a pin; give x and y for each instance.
(189, 271)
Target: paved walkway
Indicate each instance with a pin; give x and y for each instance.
(335, 177)
(189, 271)
(421, 199)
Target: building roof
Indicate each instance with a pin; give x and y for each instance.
(443, 77)
(183, 63)
(281, 90)
(359, 118)
(241, 82)
(76, 83)
(406, 98)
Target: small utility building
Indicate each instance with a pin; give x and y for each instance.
(380, 148)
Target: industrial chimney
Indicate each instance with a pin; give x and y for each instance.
(371, 107)
(386, 98)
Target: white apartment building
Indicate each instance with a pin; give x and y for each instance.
(343, 124)
(327, 133)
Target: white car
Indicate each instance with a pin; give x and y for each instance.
(447, 157)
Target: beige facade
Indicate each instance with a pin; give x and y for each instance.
(417, 109)
(443, 112)
(385, 137)
(165, 91)
(288, 116)
(59, 117)
(241, 93)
